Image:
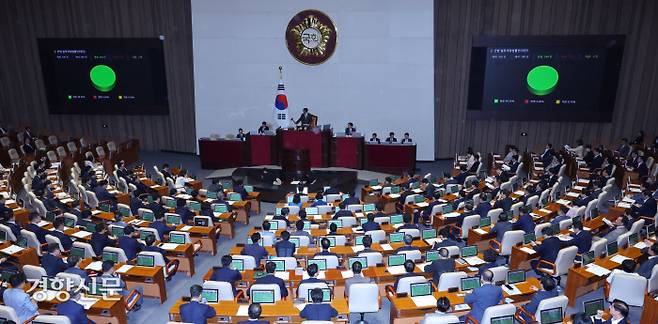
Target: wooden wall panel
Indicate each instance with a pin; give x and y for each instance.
(457, 21)
(22, 94)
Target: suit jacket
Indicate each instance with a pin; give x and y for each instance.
(156, 208)
(624, 150)
(350, 131)
(40, 232)
(271, 279)
(582, 240)
(482, 297)
(157, 249)
(52, 264)
(130, 246)
(391, 140)
(549, 248)
(531, 307)
(370, 226)
(597, 162)
(482, 209)
(226, 275)
(500, 229)
(162, 228)
(102, 194)
(647, 266)
(525, 223)
(195, 312)
(100, 241)
(349, 201)
(354, 280)
(599, 321)
(505, 204)
(74, 311)
(438, 267)
(559, 218)
(318, 312)
(185, 214)
(474, 167)
(135, 205)
(304, 118)
(284, 248)
(255, 250)
(15, 228)
(648, 208)
(407, 140)
(642, 170)
(63, 238)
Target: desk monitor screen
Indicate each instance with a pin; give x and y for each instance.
(556, 228)
(591, 307)
(117, 231)
(396, 259)
(148, 216)
(338, 222)
(594, 212)
(395, 190)
(170, 203)
(358, 240)
(210, 295)
(486, 221)
(395, 237)
(373, 182)
(363, 221)
(262, 296)
(249, 241)
(249, 188)
(70, 222)
(312, 211)
(509, 214)
(6, 275)
(105, 207)
(145, 260)
(189, 191)
(419, 199)
(277, 211)
(3, 236)
(50, 217)
(651, 230)
(173, 219)
(201, 221)
(110, 256)
(326, 295)
(237, 264)
(279, 263)
(530, 237)
(633, 238)
(396, 219)
(612, 248)
(469, 251)
(90, 227)
(144, 234)
(420, 289)
(431, 255)
(294, 240)
(454, 189)
(470, 283)
(321, 263)
(362, 260)
(22, 242)
(415, 185)
(228, 184)
(332, 240)
(125, 212)
(77, 251)
(274, 225)
(588, 257)
(551, 316)
(345, 196)
(234, 196)
(177, 238)
(194, 205)
(447, 208)
(515, 276)
(509, 319)
(211, 194)
(429, 233)
(369, 208)
(307, 225)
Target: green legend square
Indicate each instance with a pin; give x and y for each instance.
(70, 97)
(495, 101)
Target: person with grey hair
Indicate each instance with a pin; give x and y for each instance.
(254, 312)
(485, 296)
(441, 265)
(408, 240)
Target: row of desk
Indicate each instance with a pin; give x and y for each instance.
(325, 150)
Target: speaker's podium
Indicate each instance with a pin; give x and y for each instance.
(317, 142)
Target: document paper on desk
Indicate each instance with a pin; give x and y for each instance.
(81, 234)
(386, 247)
(358, 248)
(347, 274)
(597, 270)
(424, 301)
(186, 228)
(169, 246)
(87, 302)
(95, 266)
(511, 292)
(124, 268)
(422, 204)
(624, 205)
(376, 187)
(396, 270)
(474, 261)
(619, 259)
(528, 250)
(480, 231)
(243, 311)
(12, 249)
(284, 275)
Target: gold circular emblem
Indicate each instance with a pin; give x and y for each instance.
(311, 37)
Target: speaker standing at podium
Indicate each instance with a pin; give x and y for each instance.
(304, 119)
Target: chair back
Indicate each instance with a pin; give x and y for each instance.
(497, 311)
(151, 231)
(92, 200)
(433, 318)
(52, 319)
(248, 261)
(590, 205)
(376, 235)
(532, 202)
(516, 207)
(637, 226)
(332, 197)
(32, 240)
(404, 284)
(331, 260)
(599, 246)
(494, 214)
(543, 197)
(89, 250)
(565, 259)
(224, 289)
(413, 255)
(303, 240)
(53, 239)
(564, 224)
(33, 272)
(510, 239)
(341, 240)
(469, 222)
(414, 232)
(548, 303)
(355, 208)
(630, 288)
(73, 278)
(653, 280)
(364, 298)
(499, 273)
(540, 227)
(374, 258)
(303, 289)
(8, 233)
(120, 252)
(347, 222)
(9, 314)
(449, 280)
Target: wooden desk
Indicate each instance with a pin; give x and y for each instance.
(206, 235)
(151, 279)
(580, 281)
(254, 201)
(283, 311)
(242, 209)
(110, 310)
(649, 310)
(26, 256)
(184, 253)
(389, 158)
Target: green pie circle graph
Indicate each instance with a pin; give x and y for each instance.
(542, 80)
(103, 77)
